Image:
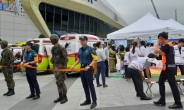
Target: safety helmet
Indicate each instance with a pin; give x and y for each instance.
(54, 37)
(3, 42)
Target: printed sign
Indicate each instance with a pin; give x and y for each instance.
(10, 5)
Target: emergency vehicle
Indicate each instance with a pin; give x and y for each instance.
(74, 45)
(39, 47)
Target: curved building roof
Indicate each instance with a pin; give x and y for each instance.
(100, 9)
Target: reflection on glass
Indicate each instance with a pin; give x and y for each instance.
(61, 21)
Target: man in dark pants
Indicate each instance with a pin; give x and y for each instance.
(87, 57)
(106, 51)
(31, 58)
(135, 69)
(168, 72)
(179, 49)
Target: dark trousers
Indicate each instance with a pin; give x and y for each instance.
(87, 82)
(32, 80)
(145, 75)
(106, 68)
(100, 70)
(137, 80)
(126, 72)
(170, 76)
(181, 67)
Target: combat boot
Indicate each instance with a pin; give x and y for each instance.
(59, 99)
(11, 92)
(64, 99)
(5, 94)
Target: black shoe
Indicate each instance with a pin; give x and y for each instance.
(159, 102)
(137, 95)
(145, 98)
(12, 92)
(5, 94)
(36, 97)
(30, 96)
(93, 105)
(64, 99)
(59, 99)
(176, 106)
(85, 103)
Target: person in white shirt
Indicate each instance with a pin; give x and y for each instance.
(135, 69)
(144, 53)
(106, 51)
(179, 55)
(135, 52)
(100, 65)
(126, 63)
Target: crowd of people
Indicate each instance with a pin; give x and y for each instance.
(134, 60)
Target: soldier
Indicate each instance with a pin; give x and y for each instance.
(7, 61)
(59, 59)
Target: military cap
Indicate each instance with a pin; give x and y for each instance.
(3, 42)
(54, 36)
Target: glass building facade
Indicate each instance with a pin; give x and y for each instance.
(61, 21)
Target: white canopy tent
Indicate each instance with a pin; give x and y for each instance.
(147, 26)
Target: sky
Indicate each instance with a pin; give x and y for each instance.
(132, 10)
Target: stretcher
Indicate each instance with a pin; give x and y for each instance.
(179, 82)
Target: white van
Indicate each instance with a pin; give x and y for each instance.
(74, 45)
(40, 49)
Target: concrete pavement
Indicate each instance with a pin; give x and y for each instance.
(119, 95)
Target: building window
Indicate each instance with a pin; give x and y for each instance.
(64, 21)
(42, 10)
(71, 22)
(61, 21)
(82, 20)
(77, 21)
(49, 17)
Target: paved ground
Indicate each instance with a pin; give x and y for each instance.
(120, 95)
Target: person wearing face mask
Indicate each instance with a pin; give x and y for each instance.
(100, 65)
(59, 60)
(7, 60)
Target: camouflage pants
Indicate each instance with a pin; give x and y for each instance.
(8, 74)
(60, 78)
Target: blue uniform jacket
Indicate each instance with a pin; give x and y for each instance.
(87, 55)
(29, 56)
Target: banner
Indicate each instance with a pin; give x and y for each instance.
(10, 5)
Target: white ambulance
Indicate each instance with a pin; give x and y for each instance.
(74, 45)
(43, 58)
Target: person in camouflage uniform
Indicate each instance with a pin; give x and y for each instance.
(59, 60)
(7, 62)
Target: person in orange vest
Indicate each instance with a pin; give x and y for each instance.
(168, 72)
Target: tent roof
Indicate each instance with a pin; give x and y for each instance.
(147, 25)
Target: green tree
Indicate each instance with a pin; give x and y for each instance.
(0, 40)
(41, 36)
